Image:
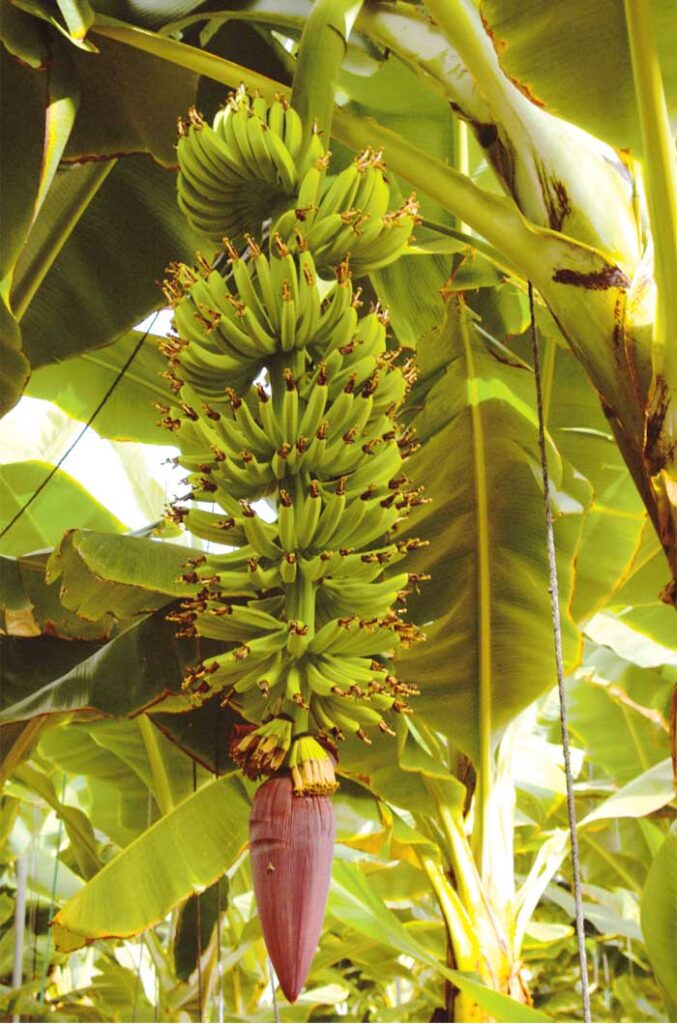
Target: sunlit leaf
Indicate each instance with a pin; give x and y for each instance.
(646, 793)
(182, 853)
(659, 915)
(575, 59)
(129, 414)
(63, 503)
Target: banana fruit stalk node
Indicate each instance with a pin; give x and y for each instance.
(283, 387)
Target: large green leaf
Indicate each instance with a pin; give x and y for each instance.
(30, 607)
(489, 651)
(617, 734)
(24, 99)
(123, 575)
(615, 520)
(659, 915)
(574, 58)
(106, 278)
(76, 384)
(183, 853)
(62, 504)
(141, 96)
(114, 793)
(120, 678)
(15, 366)
(354, 902)
(648, 792)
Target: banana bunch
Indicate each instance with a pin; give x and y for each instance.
(350, 216)
(236, 173)
(284, 390)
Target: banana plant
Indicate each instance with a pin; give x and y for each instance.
(590, 261)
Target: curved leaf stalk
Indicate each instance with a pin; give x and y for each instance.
(321, 52)
(554, 170)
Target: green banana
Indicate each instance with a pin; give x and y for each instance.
(282, 389)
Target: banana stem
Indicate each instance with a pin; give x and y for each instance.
(458, 923)
(321, 52)
(660, 176)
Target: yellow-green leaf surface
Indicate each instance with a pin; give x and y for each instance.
(129, 413)
(647, 792)
(24, 99)
(487, 615)
(659, 915)
(120, 678)
(573, 56)
(182, 853)
(105, 278)
(62, 504)
(123, 575)
(142, 97)
(30, 607)
(354, 902)
(15, 366)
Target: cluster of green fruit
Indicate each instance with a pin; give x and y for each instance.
(286, 390)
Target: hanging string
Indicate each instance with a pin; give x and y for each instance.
(52, 899)
(198, 926)
(137, 983)
(122, 371)
(34, 911)
(273, 984)
(219, 964)
(559, 661)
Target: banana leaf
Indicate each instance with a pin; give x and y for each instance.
(124, 676)
(351, 895)
(556, 57)
(64, 503)
(103, 573)
(659, 917)
(487, 618)
(184, 852)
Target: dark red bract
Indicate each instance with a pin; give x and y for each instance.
(292, 846)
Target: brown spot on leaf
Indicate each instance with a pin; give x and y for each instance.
(527, 91)
(500, 46)
(593, 280)
(657, 450)
(486, 134)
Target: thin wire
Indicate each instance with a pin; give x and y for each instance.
(123, 370)
(52, 899)
(198, 926)
(273, 980)
(557, 634)
(142, 942)
(219, 963)
(33, 914)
